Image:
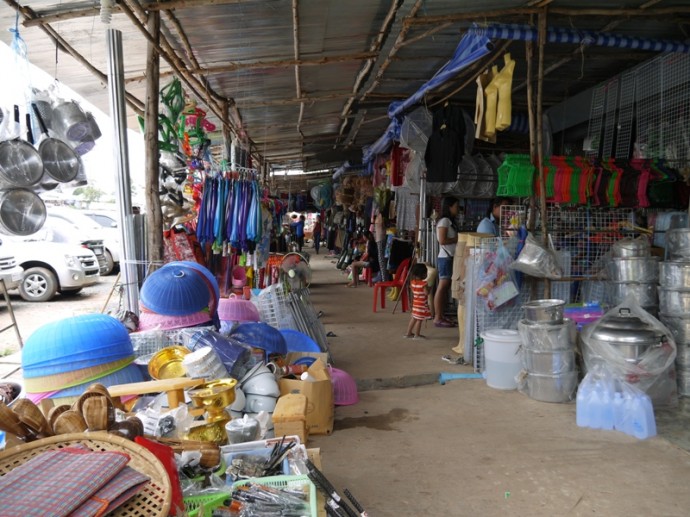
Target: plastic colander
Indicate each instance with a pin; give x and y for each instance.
(344, 388)
(211, 281)
(175, 291)
(153, 321)
(237, 309)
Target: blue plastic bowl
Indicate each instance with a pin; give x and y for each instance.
(75, 343)
(175, 291)
(297, 341)
(211, 279)
(260, 335)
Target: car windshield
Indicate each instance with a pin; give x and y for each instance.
(75, 218)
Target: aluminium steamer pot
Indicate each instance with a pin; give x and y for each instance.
(629, 335)
(674, 302)
(674, 274)
(633, 269)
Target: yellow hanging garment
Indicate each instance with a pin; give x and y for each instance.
(479, 122)
(504, 81)
(491, 105)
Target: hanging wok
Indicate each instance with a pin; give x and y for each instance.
(20, 163)
(59, 159)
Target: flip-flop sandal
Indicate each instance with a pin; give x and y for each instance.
(420, 337)
(408, 336)
(449, 359)
(442, 324)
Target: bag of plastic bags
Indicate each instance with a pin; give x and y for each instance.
(495, 282)
(538, 261)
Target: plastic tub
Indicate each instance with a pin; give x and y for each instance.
(502, 360)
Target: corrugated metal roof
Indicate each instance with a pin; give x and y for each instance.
(236, 44)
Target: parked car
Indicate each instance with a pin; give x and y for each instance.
(108, 221)
(51, 267)
(70, 225)
(10, 271)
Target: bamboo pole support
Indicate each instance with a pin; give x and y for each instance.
(151, 173)
(540, 138)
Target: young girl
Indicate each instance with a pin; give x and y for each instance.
(420, 301)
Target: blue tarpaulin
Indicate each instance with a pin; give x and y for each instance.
(471, 48)
(574, 36)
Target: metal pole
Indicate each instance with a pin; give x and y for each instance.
(116, 87)
(423, 227)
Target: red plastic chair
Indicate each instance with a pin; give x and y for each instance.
(399, 282)
(368, 277)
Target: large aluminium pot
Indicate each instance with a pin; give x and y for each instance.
(544, 311)
(627, 248)
(633, 269)
(674, 274)
(678, 244)
(627, 334)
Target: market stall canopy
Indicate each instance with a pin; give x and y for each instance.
(310, 81)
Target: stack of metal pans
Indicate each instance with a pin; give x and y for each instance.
(674, 305)
(548, 352)
(632, 272)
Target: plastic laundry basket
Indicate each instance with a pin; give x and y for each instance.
(344, 388)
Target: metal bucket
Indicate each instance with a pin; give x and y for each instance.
(546, 336)
(22, 212)
(645, 294)
(683, 356)
(675, 275)
(674, 301)
(551, 388)
(70, 121)
(678, 244)
(679, 327)
(548, 363)
(633, 269)
(544, 311)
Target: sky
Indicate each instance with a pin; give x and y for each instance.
(99, 163)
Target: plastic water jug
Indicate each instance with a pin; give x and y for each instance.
(643, 422)
(582, 402)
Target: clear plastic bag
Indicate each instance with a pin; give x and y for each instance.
(495, 282)
(538, 261)
(651, 370)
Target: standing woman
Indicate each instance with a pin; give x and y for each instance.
(447, 235)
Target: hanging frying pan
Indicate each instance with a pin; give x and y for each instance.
(20, 164)
(46, 182)
(59, 159)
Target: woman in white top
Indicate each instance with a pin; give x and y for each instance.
(447, 235)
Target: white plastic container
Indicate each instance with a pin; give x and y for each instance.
(502, 360)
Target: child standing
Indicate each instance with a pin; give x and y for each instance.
(420, 301)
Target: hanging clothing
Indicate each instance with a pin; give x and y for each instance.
(406, 206)
(446, 144)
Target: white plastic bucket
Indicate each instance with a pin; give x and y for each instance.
(502, 360)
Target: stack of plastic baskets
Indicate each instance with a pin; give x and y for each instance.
(61, 359)
(274, 308)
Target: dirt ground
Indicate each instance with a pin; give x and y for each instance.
(461, 448)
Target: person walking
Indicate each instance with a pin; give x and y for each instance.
(447, 235)
(299, 232)
(316, 234)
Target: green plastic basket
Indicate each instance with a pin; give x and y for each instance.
(195, 503)
(286, 482)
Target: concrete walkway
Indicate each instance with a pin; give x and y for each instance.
(466, 449)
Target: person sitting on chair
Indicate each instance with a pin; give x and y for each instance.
(370, 259)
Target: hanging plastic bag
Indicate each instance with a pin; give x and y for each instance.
(495, 282)
(538, 261)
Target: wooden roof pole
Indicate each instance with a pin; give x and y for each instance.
(298, 83)
(375, 48)
(540, 140)
(151, 173)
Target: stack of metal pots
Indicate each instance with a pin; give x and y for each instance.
(631, 271)
(548, 352)
(674, 300)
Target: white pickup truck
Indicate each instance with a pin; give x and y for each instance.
(10, 272)
(51, 267)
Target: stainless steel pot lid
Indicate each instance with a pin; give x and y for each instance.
(625, 328)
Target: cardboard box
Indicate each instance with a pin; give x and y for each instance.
(319, 393)
(290, 416)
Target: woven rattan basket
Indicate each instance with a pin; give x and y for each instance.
(153, 500)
